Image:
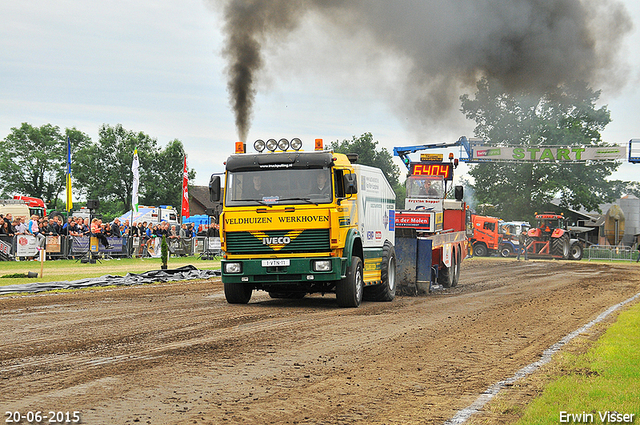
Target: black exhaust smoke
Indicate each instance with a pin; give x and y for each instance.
(532, 45)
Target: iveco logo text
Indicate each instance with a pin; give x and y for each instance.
(283, 240)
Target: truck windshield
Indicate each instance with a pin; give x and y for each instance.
(425, 187)
(290, 186)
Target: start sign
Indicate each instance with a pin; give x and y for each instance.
(443, 169)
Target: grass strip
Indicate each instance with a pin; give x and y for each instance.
(599, 386)
(15, 272)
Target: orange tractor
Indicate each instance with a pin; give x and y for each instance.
(550, 239)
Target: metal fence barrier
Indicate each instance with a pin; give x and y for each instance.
(24, 247)
(610, 253)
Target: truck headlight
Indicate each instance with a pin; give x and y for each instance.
(233, 268)
(322, 265)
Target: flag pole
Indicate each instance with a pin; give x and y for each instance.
(69, 199)
(134, 190)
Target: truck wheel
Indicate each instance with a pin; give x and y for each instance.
(237, 293)
(560, 246)
(576, 251)
(385, 291)
(349, 289)
(479, 250)
(505, 251)
(447, 275)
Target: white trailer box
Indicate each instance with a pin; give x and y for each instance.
(376, 207)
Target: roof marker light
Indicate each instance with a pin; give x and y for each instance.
(319, 145)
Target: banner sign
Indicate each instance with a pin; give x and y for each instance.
(80, 244)
(5, 248)
(548, 153)
(53, 244)
(414, 220)
(26, 246)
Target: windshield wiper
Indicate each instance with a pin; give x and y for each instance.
(307, 199)
(260, 201)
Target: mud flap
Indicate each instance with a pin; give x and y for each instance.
(413, 263)
(447, 254)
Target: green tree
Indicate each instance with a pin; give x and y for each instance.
(32, 162)
(564, 116)
(167, 185)
(369, 154)
(103, 169)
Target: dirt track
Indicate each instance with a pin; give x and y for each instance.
(178, 353)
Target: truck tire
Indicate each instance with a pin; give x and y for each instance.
(505, 251)
(349, 289)
(576, 251)
(237, 293)
(560, 246)
(446, 275)
(56, 213)
(480, 250)
(385, 291)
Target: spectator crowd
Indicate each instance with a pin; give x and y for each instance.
(41, 227)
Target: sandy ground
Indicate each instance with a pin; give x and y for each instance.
(179, 354)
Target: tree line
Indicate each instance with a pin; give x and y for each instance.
(33, 159)
(566, 115)
(33, 163)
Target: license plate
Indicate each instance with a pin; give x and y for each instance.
(275, 263)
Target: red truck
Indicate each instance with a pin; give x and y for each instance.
(488, 237)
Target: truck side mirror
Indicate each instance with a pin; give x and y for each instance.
(350, 184)
(214, 188)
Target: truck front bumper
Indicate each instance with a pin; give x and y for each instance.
(261, 271)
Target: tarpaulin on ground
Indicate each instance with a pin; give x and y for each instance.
(182, 273)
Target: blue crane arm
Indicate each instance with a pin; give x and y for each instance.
(404, 151)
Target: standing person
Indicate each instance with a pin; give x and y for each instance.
(638, 247)
(66, 227)
(133, 231)
(184, 233)
(115, 228)
(83, 226)
(522, 241)
(20, 227)
(7, 228)
(34, 229)
(9, 219)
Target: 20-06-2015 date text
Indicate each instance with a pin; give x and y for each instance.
(38, 417)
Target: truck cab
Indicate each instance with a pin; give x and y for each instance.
(296, 222)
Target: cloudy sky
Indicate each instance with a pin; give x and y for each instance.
(157, 67)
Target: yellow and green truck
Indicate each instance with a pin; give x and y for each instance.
(296, 222)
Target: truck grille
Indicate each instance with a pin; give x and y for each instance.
(314, 240)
